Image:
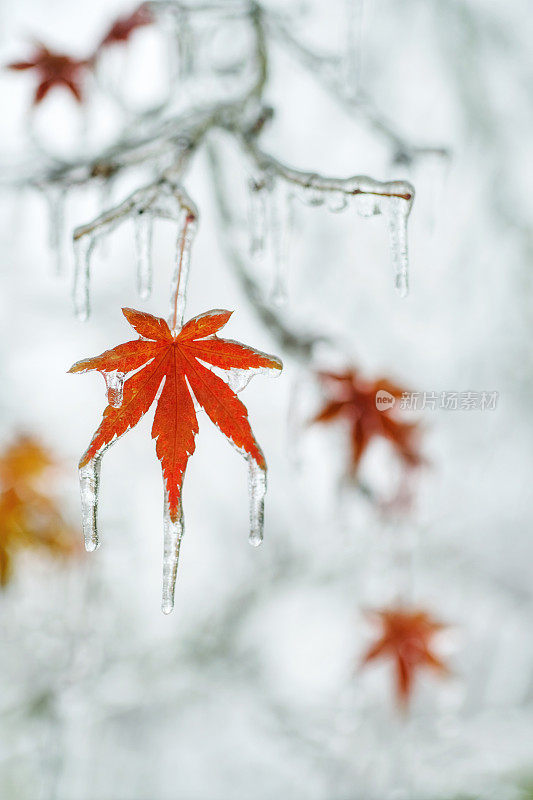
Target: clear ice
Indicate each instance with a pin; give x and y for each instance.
(281, 231)
(178, 290)
(257, 483)
(396, 211)
(55, 195)
(143, 222)
(83, 248)
(114, 382)
(258, 217)
(173, 532)
(89, 484)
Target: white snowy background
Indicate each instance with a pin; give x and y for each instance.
(251, 687)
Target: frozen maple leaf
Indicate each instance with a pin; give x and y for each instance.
(406, 639)
(353, 399)
(55, 69)
(30, 518)
(121, 30)
(170, 367)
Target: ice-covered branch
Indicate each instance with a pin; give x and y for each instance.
(359, 104)
(393, 199)
(163, 199)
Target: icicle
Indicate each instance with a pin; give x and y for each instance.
(259, 192)
(281, 229)
(89, 482)
(83, 247)
(143, 222)
(173, 532)
(257, 491)
(55, 195)
(396, 210)
(178, 291)
(114, 382)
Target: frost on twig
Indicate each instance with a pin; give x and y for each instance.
(275, 185)
(163, 199)
(357, 102)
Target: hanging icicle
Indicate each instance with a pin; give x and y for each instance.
(369, 197)
(173, 533)
(178, 292)
(259, 211)
(143, 222)
(396, 210)
(89, 483)
(281, 230)
(257, 484)
(83, 248)
(55, 194)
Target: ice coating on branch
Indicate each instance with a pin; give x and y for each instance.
(83, 248)
(55, 194)
(89, 476)
(257, 484)
(164, 199)
(396, 211)
(173, 532)
(143, 222)
(369, 197)
(114, 382)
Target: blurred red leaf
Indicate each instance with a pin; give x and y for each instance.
(122, 29)
(406, 639)
(55, 69)
(353, 399)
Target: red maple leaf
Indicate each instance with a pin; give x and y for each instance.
(121, 30)
(353, 399)
(55, 69)
(175, 363)
(406, 640)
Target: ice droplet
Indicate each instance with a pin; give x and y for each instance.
(114, 382)
(336, 201)
(173, 532)
(55, 195)
(143, 222)
(83, 248)
(257, 490)
(396, 211)
(89, 483)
